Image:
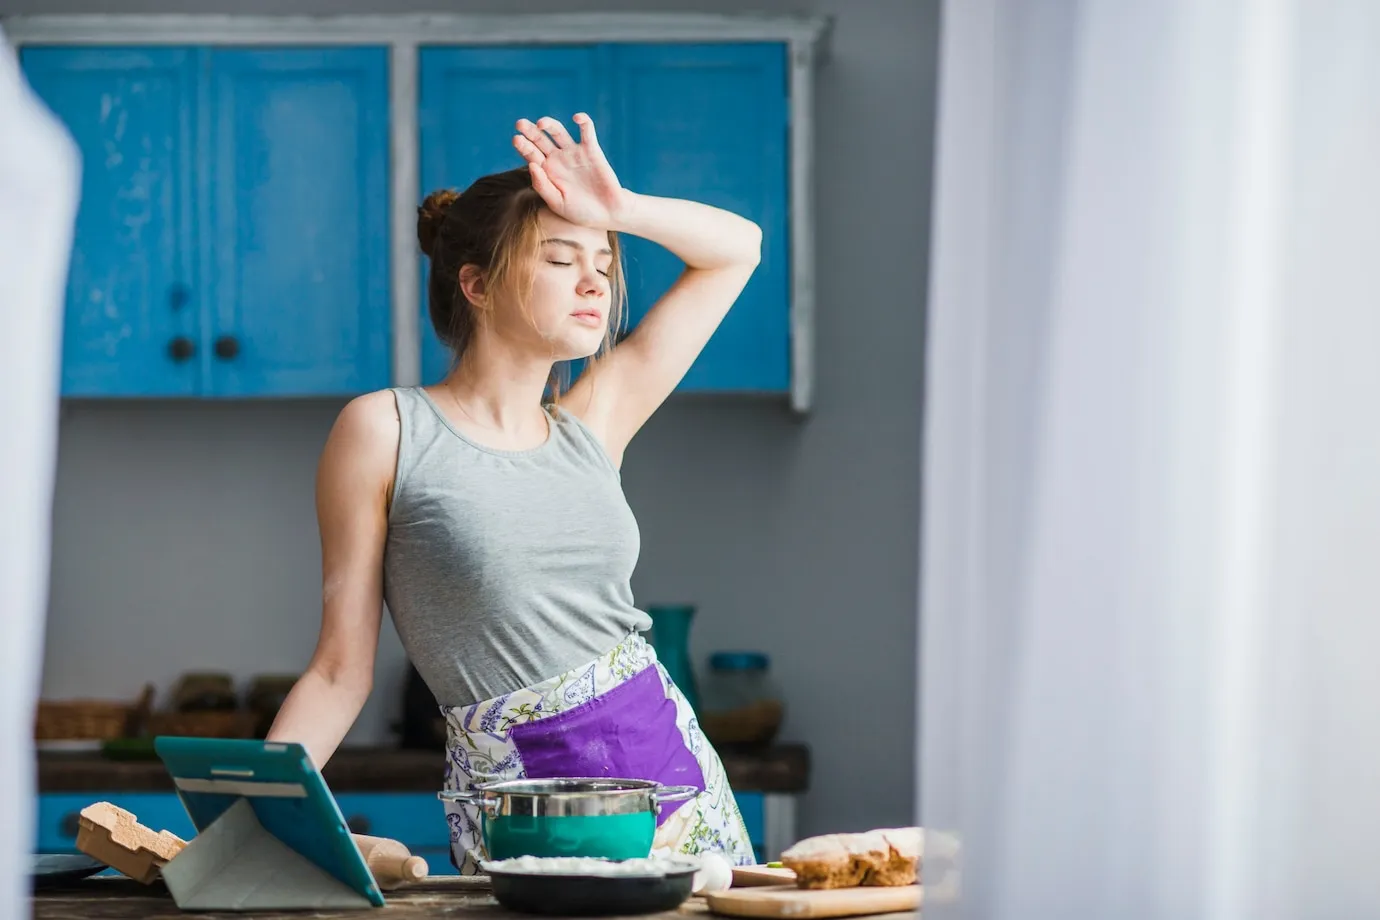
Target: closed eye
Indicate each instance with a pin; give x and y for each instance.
(554, 262)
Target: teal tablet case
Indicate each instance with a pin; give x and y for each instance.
(270, 835)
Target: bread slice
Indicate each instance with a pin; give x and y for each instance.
(886, 857)
(902, 866)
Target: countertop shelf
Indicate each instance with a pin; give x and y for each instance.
(779, 768)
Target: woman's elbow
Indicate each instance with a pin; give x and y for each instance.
(350, 675)
(753, 248)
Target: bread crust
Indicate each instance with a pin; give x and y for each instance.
(887, 857)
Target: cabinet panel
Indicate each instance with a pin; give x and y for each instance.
(298, 203)
(130, 285)
(709, 123)
(470, 99)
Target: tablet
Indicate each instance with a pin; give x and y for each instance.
(283, 787)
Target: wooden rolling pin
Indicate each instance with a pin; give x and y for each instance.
(391, 862)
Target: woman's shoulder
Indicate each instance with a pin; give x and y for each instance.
(367, 430)
(372, 413)
(358, 459)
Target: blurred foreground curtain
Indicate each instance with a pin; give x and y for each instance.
(38, 199)
(1150, 597)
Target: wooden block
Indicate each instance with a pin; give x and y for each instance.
(115, 837)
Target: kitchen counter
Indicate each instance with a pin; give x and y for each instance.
(781, 768)
(123, 899)
(434, 897)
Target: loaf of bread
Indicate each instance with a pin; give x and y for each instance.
(885, 857)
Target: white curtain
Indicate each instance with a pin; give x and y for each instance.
(1150, 575)
(38, 199)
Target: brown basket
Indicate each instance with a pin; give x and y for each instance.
(208, 724)
(67, 720)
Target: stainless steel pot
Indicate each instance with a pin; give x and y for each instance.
(577, 816)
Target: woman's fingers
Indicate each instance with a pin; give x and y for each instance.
(557, 131)
(588, 137)
(529, 150)
(543, 186)
(536, 136)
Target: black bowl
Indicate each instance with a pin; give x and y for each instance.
(591, 895)
(56, 870)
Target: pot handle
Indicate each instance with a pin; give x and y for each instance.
(675, 794)
(472, 797)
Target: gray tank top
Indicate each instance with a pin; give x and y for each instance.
(505, 568)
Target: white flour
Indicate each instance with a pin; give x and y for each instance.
(651, 867)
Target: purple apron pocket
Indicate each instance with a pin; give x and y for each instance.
(628, 732)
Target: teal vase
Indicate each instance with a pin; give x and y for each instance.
(671, 639)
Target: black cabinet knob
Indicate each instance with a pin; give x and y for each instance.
(227, 347)
(358, 824)
(70, 824)
(181, 348)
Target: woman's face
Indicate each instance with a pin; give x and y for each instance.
(567, 310)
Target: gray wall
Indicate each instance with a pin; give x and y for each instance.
(185, 534)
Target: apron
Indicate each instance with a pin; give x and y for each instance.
(619, 715)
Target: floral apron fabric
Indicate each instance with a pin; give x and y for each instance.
(619, 716)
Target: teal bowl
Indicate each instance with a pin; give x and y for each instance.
(600, 818)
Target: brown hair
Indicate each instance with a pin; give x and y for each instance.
(493, 225)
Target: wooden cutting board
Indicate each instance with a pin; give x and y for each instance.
(790, 901)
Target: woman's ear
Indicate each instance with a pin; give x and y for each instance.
(472, 285)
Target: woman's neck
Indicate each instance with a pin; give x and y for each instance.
(499, 391)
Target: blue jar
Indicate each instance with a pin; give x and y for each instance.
(742, 704)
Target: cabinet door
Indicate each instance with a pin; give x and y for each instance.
(297, 211)
(709, 123)
(131, 321)
(417, 820)
(469, 100)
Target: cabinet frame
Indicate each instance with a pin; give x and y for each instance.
(806, 39)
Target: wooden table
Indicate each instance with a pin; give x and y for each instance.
(124, 899)
(437, 896)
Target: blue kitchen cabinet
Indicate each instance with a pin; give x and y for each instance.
(131, 325)
(705, 122)
(751, 804)
(415, 819)
(296, 277)
(232, 235)
(709, 123)
(56, 830)
(469, 100)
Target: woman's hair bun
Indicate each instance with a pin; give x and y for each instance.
(430, 216)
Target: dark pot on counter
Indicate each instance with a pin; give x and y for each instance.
(592, 895)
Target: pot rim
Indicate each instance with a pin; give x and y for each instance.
(617, 786)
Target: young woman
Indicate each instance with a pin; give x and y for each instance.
(487, 509)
